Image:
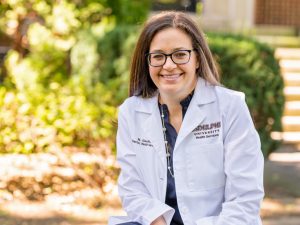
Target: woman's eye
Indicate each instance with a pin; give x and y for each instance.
(180, 54)
(157, 57)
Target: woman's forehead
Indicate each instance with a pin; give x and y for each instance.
(170, 38)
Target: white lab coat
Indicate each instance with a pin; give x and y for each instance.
(218, 163)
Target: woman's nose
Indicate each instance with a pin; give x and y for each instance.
(169, 64)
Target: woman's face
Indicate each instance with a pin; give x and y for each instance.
(172, 79)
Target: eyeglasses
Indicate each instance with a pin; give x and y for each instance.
(179, 57)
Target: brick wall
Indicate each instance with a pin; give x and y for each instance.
(278, 12)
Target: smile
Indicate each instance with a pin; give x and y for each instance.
(171, 76)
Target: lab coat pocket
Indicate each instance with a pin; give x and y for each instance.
(205, 166)
(146, 157)
(149, 165)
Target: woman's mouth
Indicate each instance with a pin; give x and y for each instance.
(171, 77)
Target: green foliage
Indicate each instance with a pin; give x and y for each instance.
(117, 45)
(130, 12)
(59, 115)
(249, 66)
(58, 85)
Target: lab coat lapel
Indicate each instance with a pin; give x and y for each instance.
(196, 113)
(152, 126)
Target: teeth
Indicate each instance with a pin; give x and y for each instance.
(171, 77)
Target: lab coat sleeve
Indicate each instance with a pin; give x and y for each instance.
(243, 165)
(137, 202)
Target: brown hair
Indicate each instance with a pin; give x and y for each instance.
(140, 80)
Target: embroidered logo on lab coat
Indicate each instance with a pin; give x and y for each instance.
(141, 141)
(209, 130)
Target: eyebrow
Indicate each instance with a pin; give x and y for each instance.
(173, 50)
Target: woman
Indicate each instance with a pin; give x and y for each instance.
(187, 147)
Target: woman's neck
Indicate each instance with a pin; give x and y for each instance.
(175, 110)
(171, 101)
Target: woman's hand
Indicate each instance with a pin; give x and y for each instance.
(159, 221)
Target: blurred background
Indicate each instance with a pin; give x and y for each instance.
(64, 70)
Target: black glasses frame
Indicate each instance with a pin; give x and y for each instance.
(148, 55)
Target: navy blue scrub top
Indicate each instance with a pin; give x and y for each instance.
(171, 136)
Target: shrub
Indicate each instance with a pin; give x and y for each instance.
(53, 91)
(115, 66)
(58, 116)
(249, 66)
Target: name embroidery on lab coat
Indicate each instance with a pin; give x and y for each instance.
(207, 130)
(143, 142)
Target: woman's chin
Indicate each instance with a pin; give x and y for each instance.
(169, 90)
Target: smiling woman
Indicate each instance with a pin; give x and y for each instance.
(172, 78)
(187, 147)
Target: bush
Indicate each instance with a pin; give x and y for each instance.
(58, 116)
(115, 66)
(249, 66)
(59, 82)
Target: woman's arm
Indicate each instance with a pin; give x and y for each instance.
(159, 221)
(243, 165)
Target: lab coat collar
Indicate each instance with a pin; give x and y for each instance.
(204, 94)
(152, 125)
